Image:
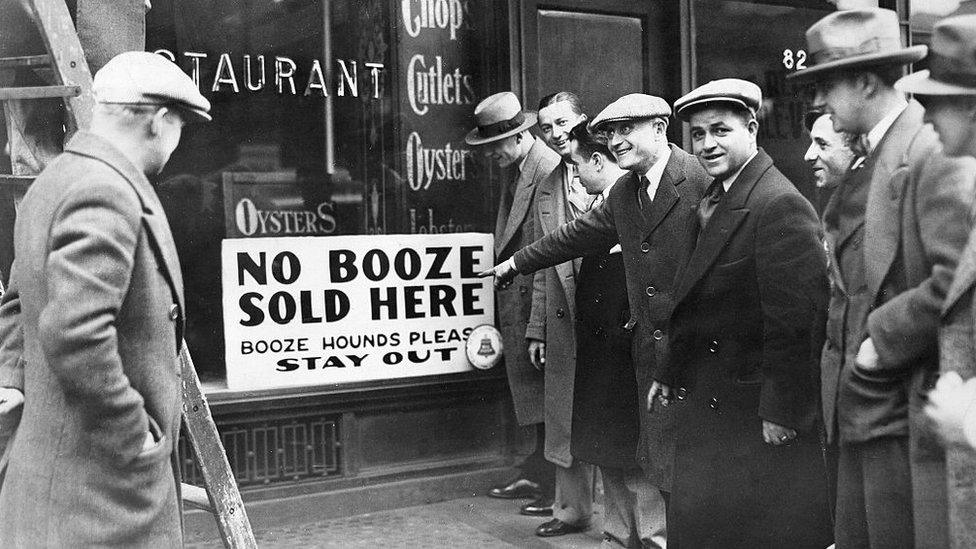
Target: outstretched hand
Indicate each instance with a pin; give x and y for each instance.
(10, 399)
(504, 274)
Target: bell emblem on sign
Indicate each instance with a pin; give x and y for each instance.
(486, 349)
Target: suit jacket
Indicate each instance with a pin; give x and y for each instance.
(553, 320)
(957, 347)
(916, 224)
(514, 227)
(96, 290)
(741, 352)
(655, 240)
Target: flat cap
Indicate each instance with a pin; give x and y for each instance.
(726, 90)
(629, 107)
(143, 78)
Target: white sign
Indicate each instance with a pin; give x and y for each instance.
(337, 309)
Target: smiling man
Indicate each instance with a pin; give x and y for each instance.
(902, 230)
(829, 153)
(560, 198)
(739, 372)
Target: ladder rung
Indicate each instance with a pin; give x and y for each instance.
(39, 92)
(16, 179)
(25, 61)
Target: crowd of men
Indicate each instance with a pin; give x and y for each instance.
(743, 372)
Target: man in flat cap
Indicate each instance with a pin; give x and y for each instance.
(650, 213)
(901, 235)
(560, 197)
(92, 324)
(503, 137)
(739, 371)
(948, 91)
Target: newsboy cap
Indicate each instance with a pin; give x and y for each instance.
(851, 39)
(630, 107)
(740, 93)
(143, 78)
(952, 61)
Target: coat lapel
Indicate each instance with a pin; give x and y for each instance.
(552, 204)
(965, 275)
(882, 216)
(729, 214)
(524, 187)
(667, 193)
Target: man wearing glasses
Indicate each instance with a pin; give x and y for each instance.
(651, 213)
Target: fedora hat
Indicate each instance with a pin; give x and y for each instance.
(499, 116)
(856, 38)
(952, 61)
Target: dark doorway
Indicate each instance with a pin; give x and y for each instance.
(599, 49)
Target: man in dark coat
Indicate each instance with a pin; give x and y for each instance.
(948, 91)
(92, 324)
(606, 412)
(894, 243)
(503, 137)
(650, 213)
(740, 370)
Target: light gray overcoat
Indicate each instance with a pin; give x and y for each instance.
(514, 229)
(91, 324)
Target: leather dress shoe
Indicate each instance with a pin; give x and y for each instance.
(517, 489)
(541, 507)
(556, 527)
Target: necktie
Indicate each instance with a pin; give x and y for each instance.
(642, 196)
(709, 202)
(859, 146)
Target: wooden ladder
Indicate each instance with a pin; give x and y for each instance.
(66, 75)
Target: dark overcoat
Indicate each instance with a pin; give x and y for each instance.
(917, 220)
(553, 319)
(514, 228)
(741, 352)
(656, 239)
(957, 347)
(606, 406)
(96, 290)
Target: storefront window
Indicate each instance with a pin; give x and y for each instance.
(330, 118)
(734, 39)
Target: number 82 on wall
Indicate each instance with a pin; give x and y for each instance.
(795, 60)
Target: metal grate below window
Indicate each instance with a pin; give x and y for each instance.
(273, 451)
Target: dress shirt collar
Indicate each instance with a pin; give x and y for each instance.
(727, 184)
(879, 130)
(656, 172)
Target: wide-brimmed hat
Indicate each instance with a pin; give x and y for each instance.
(952, 61)
(733, 91)
(851, 39)
(633, 106)
(499, 116)
(143, 78)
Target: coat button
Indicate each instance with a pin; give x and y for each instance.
(651, 291)
(598, 298)
(713, 403)
(602, 265)
(645, 247)
(560, 313)
(713, 347)
(658, 335)
(174, 311)
(523, 290)
(682, 393)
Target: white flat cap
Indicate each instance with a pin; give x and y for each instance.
(738, 92)
(143, 78)
(630, 107)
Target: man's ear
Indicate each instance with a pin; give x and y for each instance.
(157, 121)
(597, 160)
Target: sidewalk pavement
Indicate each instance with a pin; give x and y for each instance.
(475, 522)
